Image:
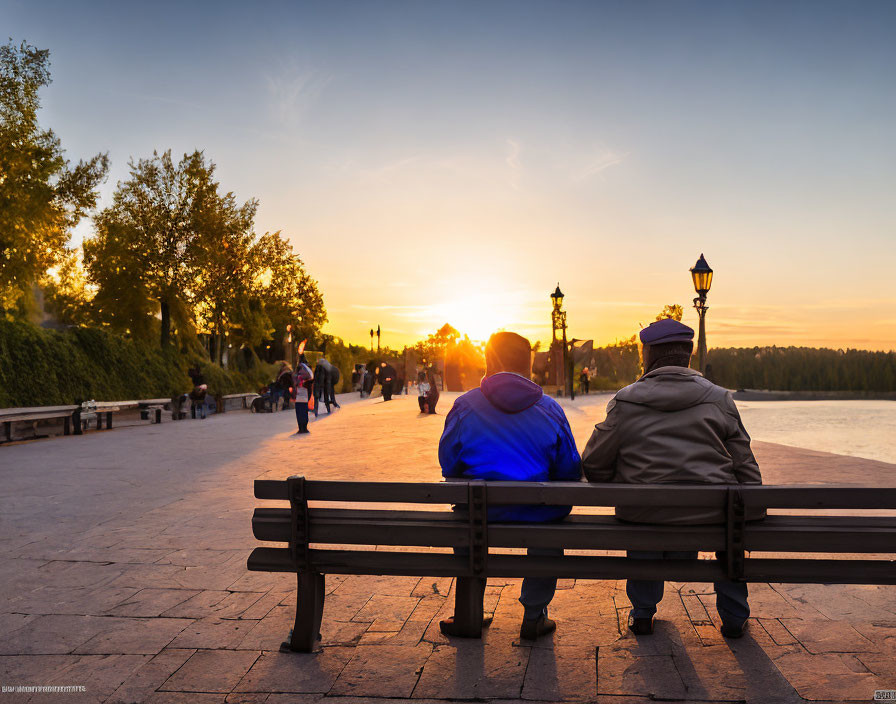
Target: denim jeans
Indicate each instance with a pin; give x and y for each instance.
(645, 594)
(302, 415)
(537, 592)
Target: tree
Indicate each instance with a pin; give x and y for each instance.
(148, 244)
(283, 290)
(673, 311)
(435, 346)
(41, 196)
(66, 293)
(225, 271)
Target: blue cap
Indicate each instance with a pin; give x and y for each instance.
(666, 330)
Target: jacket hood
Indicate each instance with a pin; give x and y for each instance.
(510, 392)
(670, 389)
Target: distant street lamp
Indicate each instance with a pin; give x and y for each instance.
(558, 324)
(702, 275)
(377, 339)
(371, 339)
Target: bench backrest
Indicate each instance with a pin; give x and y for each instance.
(329, 522)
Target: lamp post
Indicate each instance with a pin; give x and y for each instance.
(702, 275)
(377, 339)
(558, 325)
(371, 340)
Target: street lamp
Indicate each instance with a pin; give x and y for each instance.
(701, 273)
(558, 324)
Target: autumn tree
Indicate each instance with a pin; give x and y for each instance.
(225, 270)
(285, 291)
(435, 346)
(148, 245)
(674, 311)
(42, 197)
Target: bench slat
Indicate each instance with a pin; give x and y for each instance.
(581, 567)
(828, 534)
(584, 494)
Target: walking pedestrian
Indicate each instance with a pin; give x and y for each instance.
(302, 382)
(321, 376)
(387, 377)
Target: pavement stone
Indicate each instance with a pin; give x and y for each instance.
(296, 672)
(144, 681)
(217, 671)
(212, 632)
(382, 671)
(474, 670)
(564, 673)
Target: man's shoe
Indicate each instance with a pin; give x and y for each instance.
(533, 628)
(729, 631)
(640, 626)
(449, 628)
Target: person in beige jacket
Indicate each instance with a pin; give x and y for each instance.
(673, 426)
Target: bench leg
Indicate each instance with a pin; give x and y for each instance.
(7, 430)
(99, 421)
(468, 601)
(309, 611)
(67, 426)
(158, 415)
(109, 420)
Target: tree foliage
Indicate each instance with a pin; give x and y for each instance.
(436, 345)
(673, 311)
(288, 293)
(147, 248)
(173, 243)
(42, 197)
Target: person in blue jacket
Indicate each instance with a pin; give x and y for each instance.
(508, 430)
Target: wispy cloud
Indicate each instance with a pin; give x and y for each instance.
(512, 159)
(293, 91)
(598, 162)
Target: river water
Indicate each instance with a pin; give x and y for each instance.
(858, 428)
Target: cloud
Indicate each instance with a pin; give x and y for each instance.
(598, 163)
(293, 91)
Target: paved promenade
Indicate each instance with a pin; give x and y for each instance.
(123, 571)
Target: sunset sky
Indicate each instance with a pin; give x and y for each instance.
(452, 161)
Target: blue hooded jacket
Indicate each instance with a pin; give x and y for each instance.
(508, 430)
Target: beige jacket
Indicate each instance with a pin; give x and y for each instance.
(672, 426)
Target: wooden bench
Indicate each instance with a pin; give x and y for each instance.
(10, 416)
(151, 408)
(304, 528)
(244, 399)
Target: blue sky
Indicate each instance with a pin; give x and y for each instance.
(455, 160)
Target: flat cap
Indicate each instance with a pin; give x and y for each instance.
(666, 330)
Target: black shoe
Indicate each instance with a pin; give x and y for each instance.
(541, 626)
(449, 628)
(640, 626)
(734, 631)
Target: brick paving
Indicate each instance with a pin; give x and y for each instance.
(123, 571)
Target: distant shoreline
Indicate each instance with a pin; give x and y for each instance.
(766, 395)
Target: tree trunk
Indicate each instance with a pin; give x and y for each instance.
(166, 323)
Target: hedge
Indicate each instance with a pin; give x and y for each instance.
(41, 367)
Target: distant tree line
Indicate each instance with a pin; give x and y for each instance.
(802, 369)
